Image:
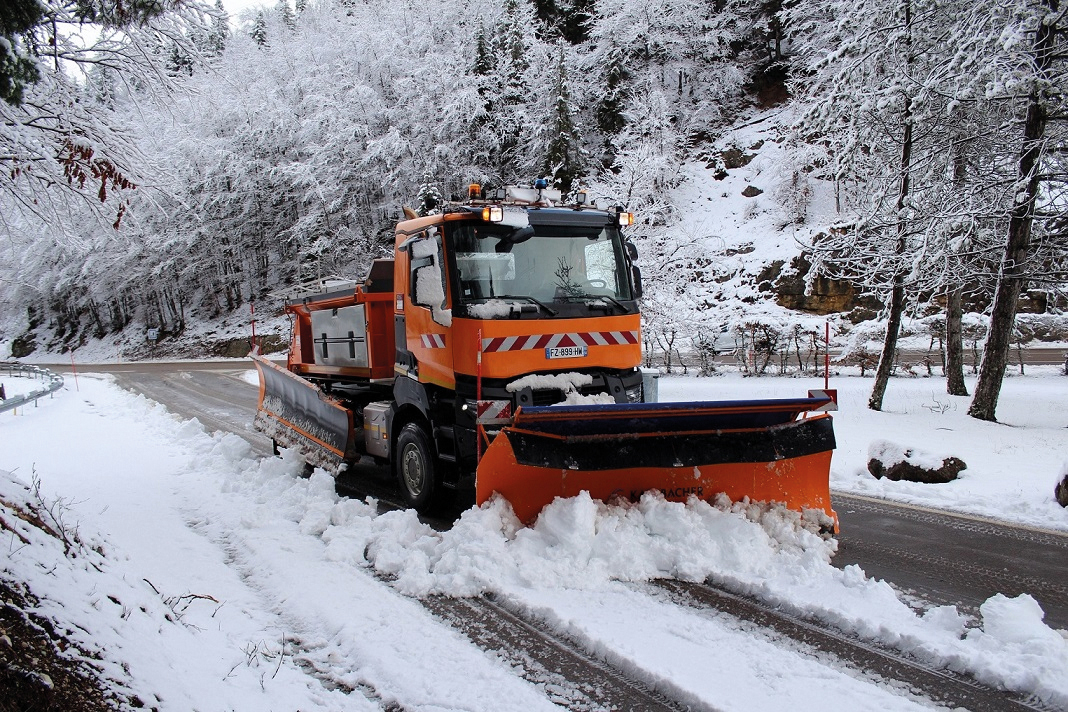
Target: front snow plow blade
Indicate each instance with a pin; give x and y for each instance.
(297, 414)
(763, 450)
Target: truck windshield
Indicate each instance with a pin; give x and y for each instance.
(546, 263)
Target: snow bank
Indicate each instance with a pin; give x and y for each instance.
(204, 582)
(17, 386)
(580, 544)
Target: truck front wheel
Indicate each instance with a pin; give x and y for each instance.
(415, 467)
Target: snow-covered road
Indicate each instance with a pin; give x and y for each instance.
(212, 578)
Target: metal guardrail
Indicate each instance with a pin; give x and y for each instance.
(52, 383)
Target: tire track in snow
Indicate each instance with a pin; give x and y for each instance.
(311, 659)
(568, 675)
(940, 686)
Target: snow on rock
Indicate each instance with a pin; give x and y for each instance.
(896, 462)
(890, 454)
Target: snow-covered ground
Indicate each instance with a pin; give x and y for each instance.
(210, 579)
(18, 385)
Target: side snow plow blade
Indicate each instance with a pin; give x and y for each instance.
(297, 414)
(760, 449)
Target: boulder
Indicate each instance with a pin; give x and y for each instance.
(735, 157)
(895, 462)
(751, 191)
(1061, 492)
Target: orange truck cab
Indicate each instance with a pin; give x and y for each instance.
(510, 299)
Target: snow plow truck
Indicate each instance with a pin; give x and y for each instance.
(500, 351)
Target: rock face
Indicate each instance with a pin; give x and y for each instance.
(239, 348)
(894, 462)
(1061, 492)
(828, 296)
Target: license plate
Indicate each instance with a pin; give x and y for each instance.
(565, 352)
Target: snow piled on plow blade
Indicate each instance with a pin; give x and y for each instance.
(760, 450)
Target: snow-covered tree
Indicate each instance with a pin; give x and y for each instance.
(564, 160)
(285, 12)
(292, 158)
(258, 32)
(17, 64)
(683, 48)
(61, 152)
(1028, 70)
(515, 83)
(428, 201)
(880, 98)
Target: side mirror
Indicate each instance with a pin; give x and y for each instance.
(636, 280)
(632, 251)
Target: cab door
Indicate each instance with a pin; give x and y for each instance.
(428, 309)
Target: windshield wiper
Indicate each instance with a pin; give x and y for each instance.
(607, 298)
(590, 297)
(525, 298)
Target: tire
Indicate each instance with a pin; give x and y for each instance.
(415, 467)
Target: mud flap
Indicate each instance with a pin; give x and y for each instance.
(297, 414)
(758, 449)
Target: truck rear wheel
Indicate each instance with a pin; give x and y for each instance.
(415, 467)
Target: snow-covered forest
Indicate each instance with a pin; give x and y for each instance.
(164, 164)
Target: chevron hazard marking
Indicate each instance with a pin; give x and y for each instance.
(494, 412)
(543, 341)
(831, 393)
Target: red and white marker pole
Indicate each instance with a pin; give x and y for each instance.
(827, 391)
(826, 355)
(478, 398)
(252, 311)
